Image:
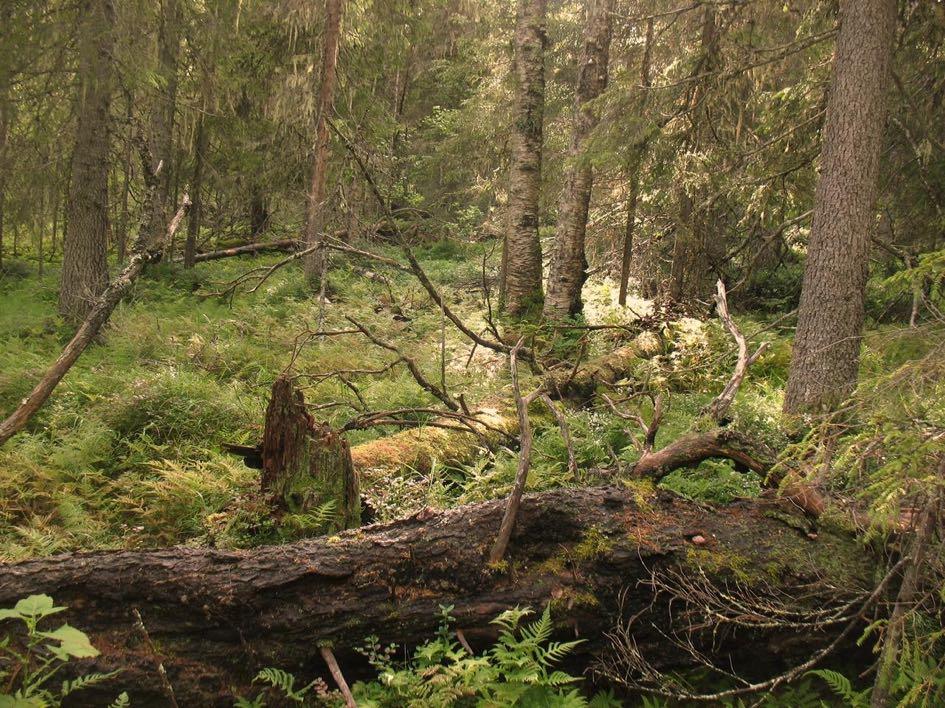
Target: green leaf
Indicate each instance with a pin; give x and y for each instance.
(72, 642)
(36, 606)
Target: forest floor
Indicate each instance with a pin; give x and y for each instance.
(129, 451)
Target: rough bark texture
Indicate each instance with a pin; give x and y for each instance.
(6, 113)
(306, 464)
(826, 353)
(196, 209)
(690, 275)
(522, 265)
(315, 217)
(162, 113)
(637, 153)
(216, 617)
(569, 264)
(84, 266)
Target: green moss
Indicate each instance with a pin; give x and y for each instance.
(592, 545)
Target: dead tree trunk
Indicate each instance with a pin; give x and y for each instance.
(217, 617)
(306, 465)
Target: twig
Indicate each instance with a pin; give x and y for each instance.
(524, 462)
(411, 363)
(721, 403)
(336, 674)
(162, 673)
(565, 433)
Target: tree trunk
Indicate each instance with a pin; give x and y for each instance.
(637, 154)
(569, 264)
(315, 212)
(522, 254)
(690, 276)
(826, 353)
(196, 210)
(84, 265)
(218, 617)
(306, 465)
(163, 112)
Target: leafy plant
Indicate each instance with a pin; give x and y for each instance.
(29, 664)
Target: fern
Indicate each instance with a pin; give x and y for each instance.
(843, 688)
(77, 684)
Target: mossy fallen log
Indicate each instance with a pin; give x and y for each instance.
(216, 617)
(580, 385)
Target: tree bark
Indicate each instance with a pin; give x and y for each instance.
(163, 112)
(196, 210)
(84, 266)
(689, 275)
(569, 264)
(217, 617)
(830, 317)
(306, 465)
(637, 154)
(522, 254)
(315, 212)
(6, 115)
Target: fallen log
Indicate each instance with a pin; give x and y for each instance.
(419, 449)
(580, 384)
(285, 245)
(216, 617)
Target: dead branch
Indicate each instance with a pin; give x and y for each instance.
(524, 462)
(412, 366)
(414, 265)
(630, 668)
(720, 405)
(141, 255)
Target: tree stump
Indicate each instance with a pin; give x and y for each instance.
(307, 467)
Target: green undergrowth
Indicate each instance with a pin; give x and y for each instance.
(129, 451)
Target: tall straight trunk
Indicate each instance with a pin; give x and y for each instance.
(6, 110)
(689, 276)
(522, 255)
(163, 111)
(569, 265)
(122, 237)
(826, 353)
(196, 188)
(637, 154)
(315, 217)
(84, 265)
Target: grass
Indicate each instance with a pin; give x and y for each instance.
(128, 451)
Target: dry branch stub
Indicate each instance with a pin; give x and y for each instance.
(307, 466)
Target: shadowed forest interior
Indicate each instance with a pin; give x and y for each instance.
(487, 353)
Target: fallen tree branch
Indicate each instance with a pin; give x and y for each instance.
(721, 403)
(524, 462)
(219, 616)
(289, 244)
(92, 325)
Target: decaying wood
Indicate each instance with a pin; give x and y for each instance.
(285, 245)
(305, 464)
(524, 462)
(581, 383)
(219, 616)
(89, 329)
(721, 403)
